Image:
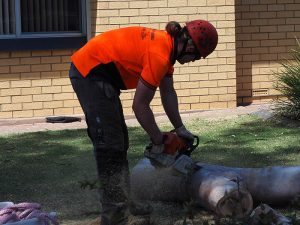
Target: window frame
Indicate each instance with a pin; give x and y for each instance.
(49, 40)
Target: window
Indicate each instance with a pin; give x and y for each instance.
(7, 17)
(36, 24)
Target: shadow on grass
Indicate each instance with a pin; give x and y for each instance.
(46, 167)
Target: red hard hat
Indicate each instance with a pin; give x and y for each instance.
(204, 35)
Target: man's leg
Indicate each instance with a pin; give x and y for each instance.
(101, 105)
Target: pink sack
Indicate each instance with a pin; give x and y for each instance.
(25, 211)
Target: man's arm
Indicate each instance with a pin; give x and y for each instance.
(170, 101)
(141, 107)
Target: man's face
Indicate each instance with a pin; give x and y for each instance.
(190, 53)
(186, 58)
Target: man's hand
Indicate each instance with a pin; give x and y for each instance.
(165, 155)
(184, 133)
(172, 144)
(157, 157)
(152, 150)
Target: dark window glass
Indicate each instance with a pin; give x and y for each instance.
(50, 16)
(42, 24)
(7, 17)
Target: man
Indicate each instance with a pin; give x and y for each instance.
(127, 58)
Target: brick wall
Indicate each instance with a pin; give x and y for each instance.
(36, 84)
(265, 32)
(206, 84)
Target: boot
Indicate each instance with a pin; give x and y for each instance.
(117, 214)
(113, 192)
(139, 208)
(139, 220)
(113, 214)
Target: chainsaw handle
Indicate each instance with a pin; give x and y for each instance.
(193, 145)
(197, 142)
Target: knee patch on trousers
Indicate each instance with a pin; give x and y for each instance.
(95, 128)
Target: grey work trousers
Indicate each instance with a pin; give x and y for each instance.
(108, 132)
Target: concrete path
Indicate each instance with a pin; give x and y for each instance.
(39, 124)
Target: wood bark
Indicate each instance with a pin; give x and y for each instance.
(227, 191)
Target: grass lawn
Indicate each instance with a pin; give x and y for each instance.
(47, 167)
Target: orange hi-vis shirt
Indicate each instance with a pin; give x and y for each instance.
(137, 52)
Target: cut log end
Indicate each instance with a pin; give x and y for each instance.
(237, 203)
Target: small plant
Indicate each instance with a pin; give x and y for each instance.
(288, 83)
(292, 212)
(91, 185)
(189, 211)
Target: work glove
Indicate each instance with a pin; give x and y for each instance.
(153, 149)
(184, 133)
(164, 154)
(172, 143)
(157, 156)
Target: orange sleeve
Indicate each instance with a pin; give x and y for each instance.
(155, 68)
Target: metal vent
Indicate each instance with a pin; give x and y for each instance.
(260, 92)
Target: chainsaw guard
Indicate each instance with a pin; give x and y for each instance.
(160, 159)
(185, 165)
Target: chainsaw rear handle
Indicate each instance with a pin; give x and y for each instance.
(192, 145)
(197, 142)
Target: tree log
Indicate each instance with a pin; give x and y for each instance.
(276, 185)
(225, 190)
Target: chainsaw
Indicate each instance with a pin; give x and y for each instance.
(175, 145)
(176, 153)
